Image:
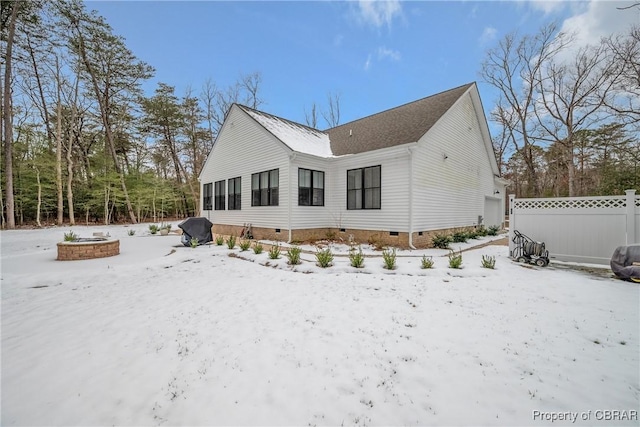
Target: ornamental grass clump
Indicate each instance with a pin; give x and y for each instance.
(193, 242)
(244, 245)
(131, 232)
(356, 258)
(489, 261)
(455, 260)
(257, 248)
(324, 258)
(389, 259)
(70, 236)
(441, 241)
(293, 254)
(231, 242)
(274, 252)
(153, 228)
(426, 262)
(219, 240)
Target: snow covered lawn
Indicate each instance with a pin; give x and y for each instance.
(168, 335)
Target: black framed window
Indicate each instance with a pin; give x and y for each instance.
(219, 195)
(235, 190)
(264, 188)
(363, 188)
(207, 192)
(310, 187)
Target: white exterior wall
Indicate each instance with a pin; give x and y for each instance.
(311, 216)
(450, 192)
(447, 193)
(245, 148)
(394, 199)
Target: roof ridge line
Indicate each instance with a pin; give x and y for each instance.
(400, 106)
(281, 118)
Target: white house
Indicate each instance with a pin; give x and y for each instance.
(395, 177)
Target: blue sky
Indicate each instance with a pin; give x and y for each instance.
(375, 55)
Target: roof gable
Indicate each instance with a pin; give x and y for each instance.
(401, 125)
(397, 126)
(297, 137)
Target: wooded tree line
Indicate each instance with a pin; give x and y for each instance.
(569, 114)
(81, 142)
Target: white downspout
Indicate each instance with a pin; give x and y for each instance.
(410, 151)
(292, 157)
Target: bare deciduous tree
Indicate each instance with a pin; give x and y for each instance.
(112, 72)
(512, 68)
(571, 96)
(332, 114)
(7, 111)
(311, 116)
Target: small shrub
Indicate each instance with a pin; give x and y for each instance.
(473, 234)
(153, 228)
(131, 232)
(244, 245)
(493, 230)
(193, 242)
(455, 260)
(231, 242)
(481, 231)
(257, 248)
(356, 258)
(219, 240)
(324, 257)
(70, 236)
(389, 258)
(460, 236)
(488, 261)
(293, 254)
(426, 262)
(441, 241)
(274, 252)
(374, 240)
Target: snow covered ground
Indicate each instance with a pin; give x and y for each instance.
(168, 335)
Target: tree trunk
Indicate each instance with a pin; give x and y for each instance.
(103, 104)
(36, 73)
(59, 150)
(7, 110)
(39, 197)
(72, 218)
(571, 172)
(106, 204)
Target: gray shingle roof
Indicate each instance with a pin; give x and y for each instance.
(400, 125)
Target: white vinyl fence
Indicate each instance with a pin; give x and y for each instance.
(577, 229)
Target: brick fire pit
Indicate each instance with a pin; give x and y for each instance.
(87, 248)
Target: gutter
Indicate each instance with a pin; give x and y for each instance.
(410, 152)
(292, 157)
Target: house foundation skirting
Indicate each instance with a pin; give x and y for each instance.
(378, 238)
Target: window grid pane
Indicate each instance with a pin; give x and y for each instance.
(310, 187)
(363, 188)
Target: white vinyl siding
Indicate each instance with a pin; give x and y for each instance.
(449, 174)
(243, 148)
(452, 171)
(304, 217)
(394, 192)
